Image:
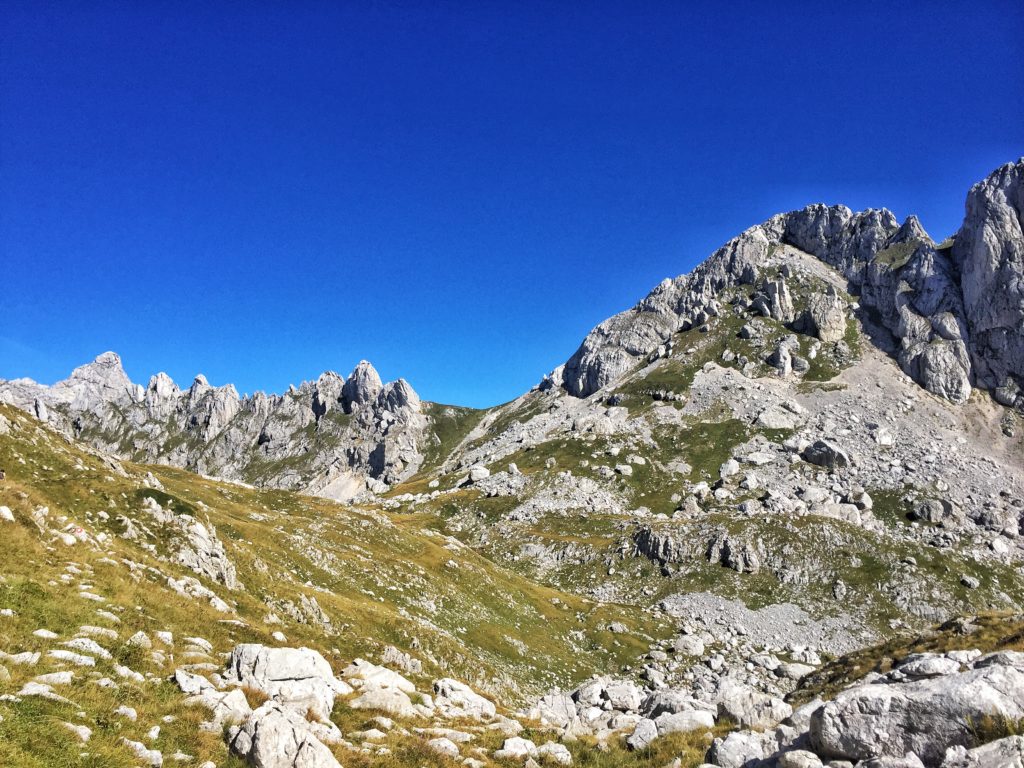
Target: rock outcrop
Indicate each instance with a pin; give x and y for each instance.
(925, 712)
(989, 254)
(953, 314)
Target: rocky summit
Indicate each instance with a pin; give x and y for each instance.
(769, 517)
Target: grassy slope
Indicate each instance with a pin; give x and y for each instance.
(379, 582)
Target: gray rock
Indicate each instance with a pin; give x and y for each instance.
(361, 387)
(445, 747)
(749, 708)
(214, 431)
(799, 758)
(989, 251)
(684, 722)
(825, 454)
(296, 677)
(826, 314)
(741, 749)
(454, 699)
(280, 737)
(925, 717)
(391, 700)
(645, 732)
(554, 752)
(516, 748)
(1002, 753)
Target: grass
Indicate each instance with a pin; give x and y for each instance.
(990, 728)
(450, 425)
(380, 580)
(896, 256)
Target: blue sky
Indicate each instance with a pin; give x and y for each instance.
(456, 191)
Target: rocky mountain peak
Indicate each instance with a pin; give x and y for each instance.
(989, 252)
(105, 370)
(362, 386)
(910, 231)
(952, 320)
(101, 381)
(257, 439)
(398, 395)
(327, 392)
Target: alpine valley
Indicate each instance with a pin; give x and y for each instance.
(769, 517)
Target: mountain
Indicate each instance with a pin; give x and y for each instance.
(333, 437)
(951, 314)
(770, 516)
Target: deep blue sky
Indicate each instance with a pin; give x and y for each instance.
(457, 191)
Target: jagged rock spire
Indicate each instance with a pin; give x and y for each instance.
(362, 386)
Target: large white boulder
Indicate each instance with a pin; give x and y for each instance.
(925, 717)
(298, 677)
(516, 748)
(276, 736)
(1004, 753)
(391, 700)
(749, 708)
(684, 722)
(362, 673)
(455, 699)
(226, 707)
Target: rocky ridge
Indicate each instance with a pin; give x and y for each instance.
(951, 312)
(335, 437)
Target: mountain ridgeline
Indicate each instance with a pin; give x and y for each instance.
(334, 437)
(951, 315)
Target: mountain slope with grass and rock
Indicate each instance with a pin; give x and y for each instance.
(769, 517)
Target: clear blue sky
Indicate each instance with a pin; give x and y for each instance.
(457, 191)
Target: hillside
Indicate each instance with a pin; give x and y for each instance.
(727, 525)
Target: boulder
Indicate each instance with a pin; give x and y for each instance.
(925, 717)
(688, 645)
(684, 722)
(645, 732)
(826, 314)
(741, 749)
(749, 708)
(362, 673)
(555, 709)
(799, 758)
(623, 696)
(779, 417)
(297, 677)
(445, 747)
(391, 700)
(454, 699)
(275, 736)
(225, 707)
(825, 454)
(516, 748)
(1002, 753)
(552, 751)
